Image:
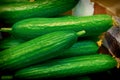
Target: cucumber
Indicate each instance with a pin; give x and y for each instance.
(12, 1)
(31, 28)
(83, 78)
(37, 50)
(68, 67)
(9, 42)
(81, 48)
(13, 12)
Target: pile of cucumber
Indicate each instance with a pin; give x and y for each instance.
(42, 44)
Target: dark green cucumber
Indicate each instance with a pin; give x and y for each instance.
(11, 13)
(9, 42)
(69, 67)
(12, 1)
(31, 28)
(83, 78)
(37, 50)
(84, 47)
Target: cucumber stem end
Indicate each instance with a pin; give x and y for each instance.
(5, 29)
(79, 33)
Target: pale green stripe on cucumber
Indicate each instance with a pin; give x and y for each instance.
(69, 67)
(37, 50)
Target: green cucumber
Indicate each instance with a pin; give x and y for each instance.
(69, 67)
(83, 78)
(37, 50)
(13, 1)
(31, 28)
(13, 12)
(84, 47)
(9, 42)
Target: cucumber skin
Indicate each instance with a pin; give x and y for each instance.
(83, 78)
(11, 13)
(9, 42)
(69, 67)
(31, 28)
(36, 50)
(12, 1)
(81, 48)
